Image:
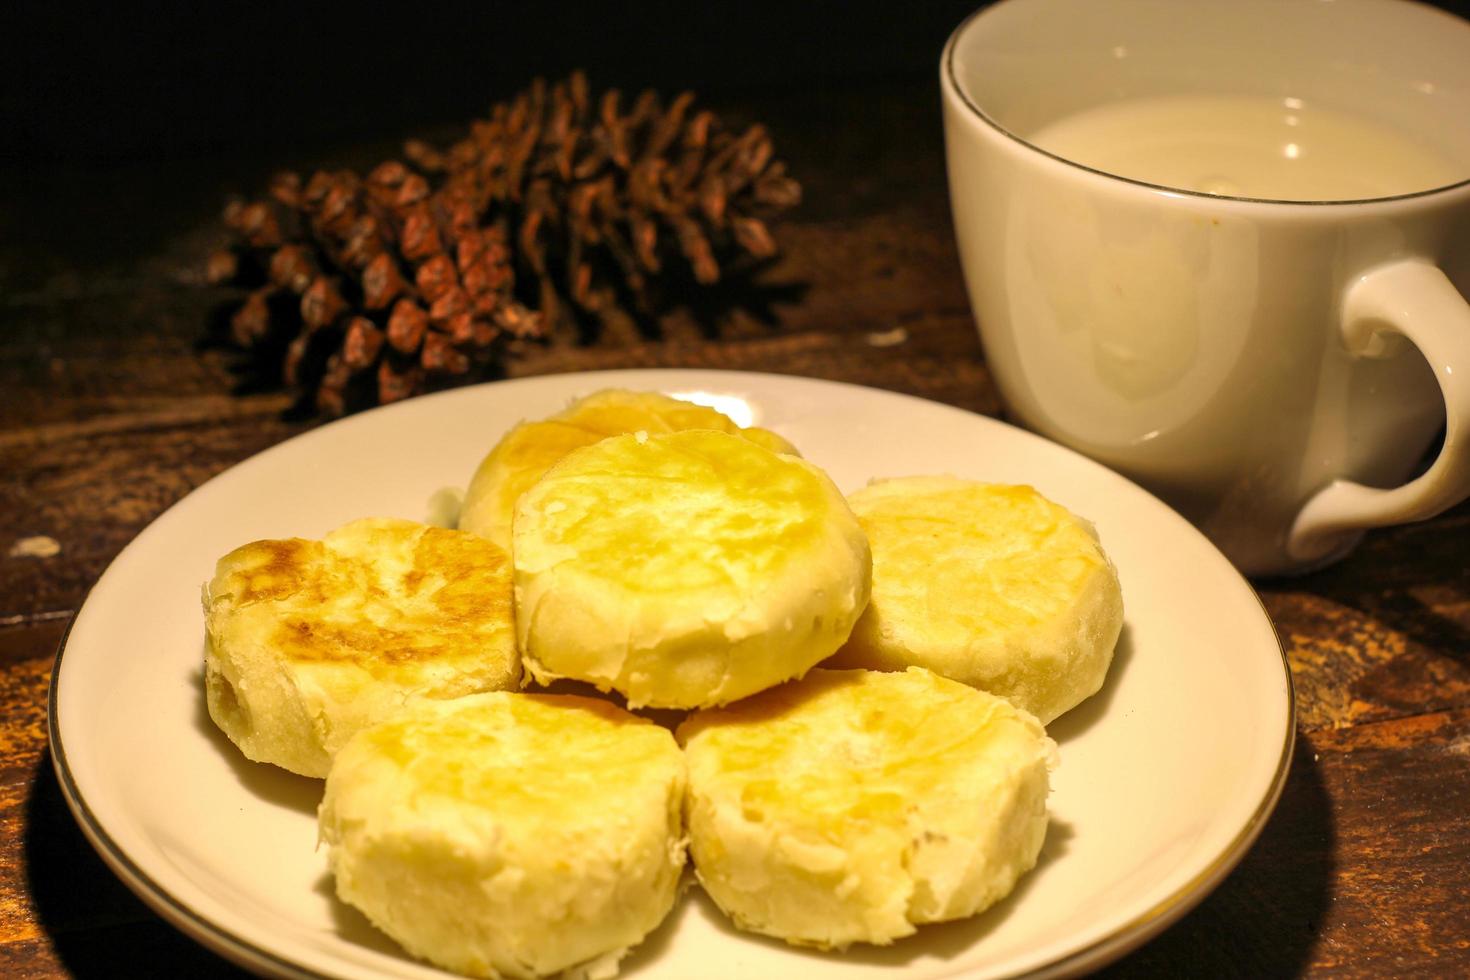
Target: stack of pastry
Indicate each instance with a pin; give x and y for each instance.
(653, 548)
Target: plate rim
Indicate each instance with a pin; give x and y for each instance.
(1137, 931)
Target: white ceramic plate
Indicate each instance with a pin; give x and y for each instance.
(1166, 776)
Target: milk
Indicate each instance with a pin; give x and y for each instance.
(1278, 149)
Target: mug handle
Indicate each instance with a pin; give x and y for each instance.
(1410, 299)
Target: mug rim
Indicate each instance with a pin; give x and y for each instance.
(950, 79)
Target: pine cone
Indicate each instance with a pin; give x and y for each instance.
(601, 203)
(376, 288)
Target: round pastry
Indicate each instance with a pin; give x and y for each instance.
(852, 805)
(988, 584)
(508, 834)
(529, 450)
(308, 641)
(684, 570)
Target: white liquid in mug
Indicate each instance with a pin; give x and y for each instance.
(1276, 149)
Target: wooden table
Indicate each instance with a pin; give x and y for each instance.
(108, 414)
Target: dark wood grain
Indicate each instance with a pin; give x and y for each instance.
(1386, 634)
(109, 413)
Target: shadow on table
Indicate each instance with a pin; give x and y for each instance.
(1264, 920)
(1410, 578)
(94, 925)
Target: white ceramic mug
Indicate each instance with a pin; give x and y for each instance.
(1242, 355)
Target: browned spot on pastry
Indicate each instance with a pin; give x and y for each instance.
(266, 570)
(387, 596)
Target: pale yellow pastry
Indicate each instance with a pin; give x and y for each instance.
(989, 584)
(852, 805)
(509, 834)
(529, 450)
(309, 641)
(684, 570)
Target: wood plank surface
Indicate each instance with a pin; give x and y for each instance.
(111, 413)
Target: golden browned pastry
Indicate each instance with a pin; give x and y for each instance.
(989, 584)
(509, 834)
(852, 805)
(309, 641)
(529, 450)
(685, 569)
